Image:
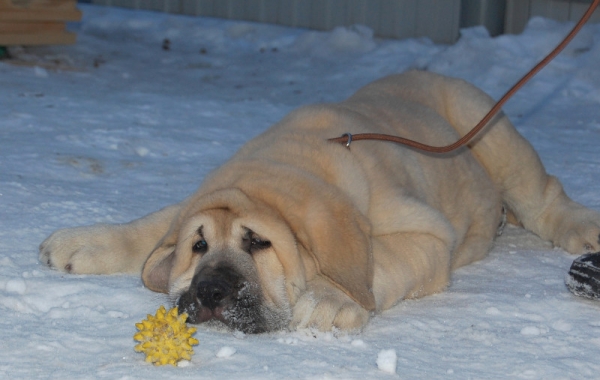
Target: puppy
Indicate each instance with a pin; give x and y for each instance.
(295, 231)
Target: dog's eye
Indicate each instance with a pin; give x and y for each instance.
(201, 246)
(251, 242)
(258, 244)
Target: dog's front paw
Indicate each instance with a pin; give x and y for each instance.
(579, 232)
(325, 307)
(91, 249)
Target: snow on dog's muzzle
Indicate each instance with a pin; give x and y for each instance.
(223, 295)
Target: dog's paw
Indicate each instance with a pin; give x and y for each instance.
(325, 307)
(90, 249)
(579, 232)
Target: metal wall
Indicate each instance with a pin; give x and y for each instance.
(519, 11)
(489, 13)
(439, 20)
(436, 19)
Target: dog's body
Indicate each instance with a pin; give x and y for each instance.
(297, 231)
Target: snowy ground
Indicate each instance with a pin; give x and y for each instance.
(125, 127)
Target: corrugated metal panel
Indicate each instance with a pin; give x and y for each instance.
(436, 19)
(483, 12)
(517, 14)
(520, 11)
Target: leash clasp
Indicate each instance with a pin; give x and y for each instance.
(349, 139)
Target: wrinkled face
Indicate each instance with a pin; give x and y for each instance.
(226, 269)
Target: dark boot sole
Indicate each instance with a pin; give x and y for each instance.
(584, 276)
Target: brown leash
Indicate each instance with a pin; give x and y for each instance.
(347, 138)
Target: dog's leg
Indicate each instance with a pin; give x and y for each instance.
(325, 307)
(409, 265)
(534, 197)
(406, 265)
(105, 248)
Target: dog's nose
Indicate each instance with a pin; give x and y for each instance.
(211, 293)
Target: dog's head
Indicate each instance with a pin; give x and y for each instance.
(232, 257)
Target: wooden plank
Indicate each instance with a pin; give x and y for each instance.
(49, 15)
(9, 27)
(39, 10)
(46, 38)
(40, 15)
(37, 22)
(36, 4)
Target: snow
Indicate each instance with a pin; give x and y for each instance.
(387, 361)
(225, 352)
(115, 127)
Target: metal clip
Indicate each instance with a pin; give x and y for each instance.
(349, 139)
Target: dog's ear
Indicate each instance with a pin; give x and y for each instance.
(337, 236)
(334, 233)
(157, 269)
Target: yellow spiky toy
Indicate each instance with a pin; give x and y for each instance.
(165, 338)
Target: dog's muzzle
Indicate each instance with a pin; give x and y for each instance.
(212, 291)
